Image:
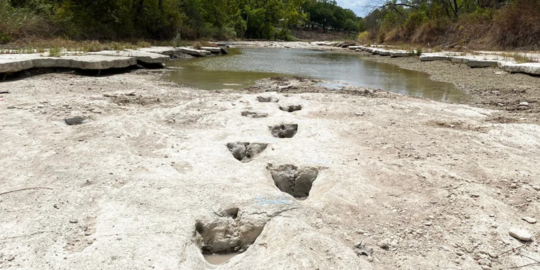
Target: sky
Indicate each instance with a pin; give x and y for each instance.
(358, 6)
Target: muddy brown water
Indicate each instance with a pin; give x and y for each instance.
(219, 258)
(242, 67)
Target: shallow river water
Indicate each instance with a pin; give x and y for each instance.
(242, 67)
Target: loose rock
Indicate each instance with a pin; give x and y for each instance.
(520, 234)
(74, 120)
(530, 220)
(384, 244)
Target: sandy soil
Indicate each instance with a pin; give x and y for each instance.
(489, 87)
(425, 185)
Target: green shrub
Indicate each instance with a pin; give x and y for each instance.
(55, 52)
(413, 22)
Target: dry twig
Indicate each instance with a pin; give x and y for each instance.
(4, 193)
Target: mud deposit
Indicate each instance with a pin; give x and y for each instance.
(490, 88)
(147, 180)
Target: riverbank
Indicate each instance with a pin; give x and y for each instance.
(489, 87)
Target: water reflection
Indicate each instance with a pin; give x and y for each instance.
(244, 66)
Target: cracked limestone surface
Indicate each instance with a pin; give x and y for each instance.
(125, 190)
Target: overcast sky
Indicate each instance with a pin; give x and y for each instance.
(358, 6)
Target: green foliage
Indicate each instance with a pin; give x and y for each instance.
(326, 14)
(153, 19)
(413, 21)
(19, 22)
(55, 52)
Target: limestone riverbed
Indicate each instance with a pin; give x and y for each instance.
(287, 174)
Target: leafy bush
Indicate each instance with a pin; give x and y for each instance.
(20, 22)
(413, 22)
(363, 37)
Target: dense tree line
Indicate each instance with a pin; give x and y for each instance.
(326, 13)
(167, 19)
(505, 23)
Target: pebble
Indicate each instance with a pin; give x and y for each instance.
(513, 185)
(524, 104)
(530, 220)
(475, 195)
(74, 121)
(359, 113)
(520, 234)
(384, 244)
(73, 221)
(537, 188)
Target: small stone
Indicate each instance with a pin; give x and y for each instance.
(537, 188)
(10, 258)
(513, 185)
(530, 220)
(475, 195)
(494, 225)
(428, 223)
(359, 113)
(73, 221)
(384, 244)
(524, 104)
(74, 121)
(520, 234)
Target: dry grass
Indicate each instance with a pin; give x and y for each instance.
(517, 24)
(41, 45)
(519, 58)
(199, 44)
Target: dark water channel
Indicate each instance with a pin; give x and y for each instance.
(242, 67)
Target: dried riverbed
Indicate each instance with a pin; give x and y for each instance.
(151, 178)
(490, 88)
